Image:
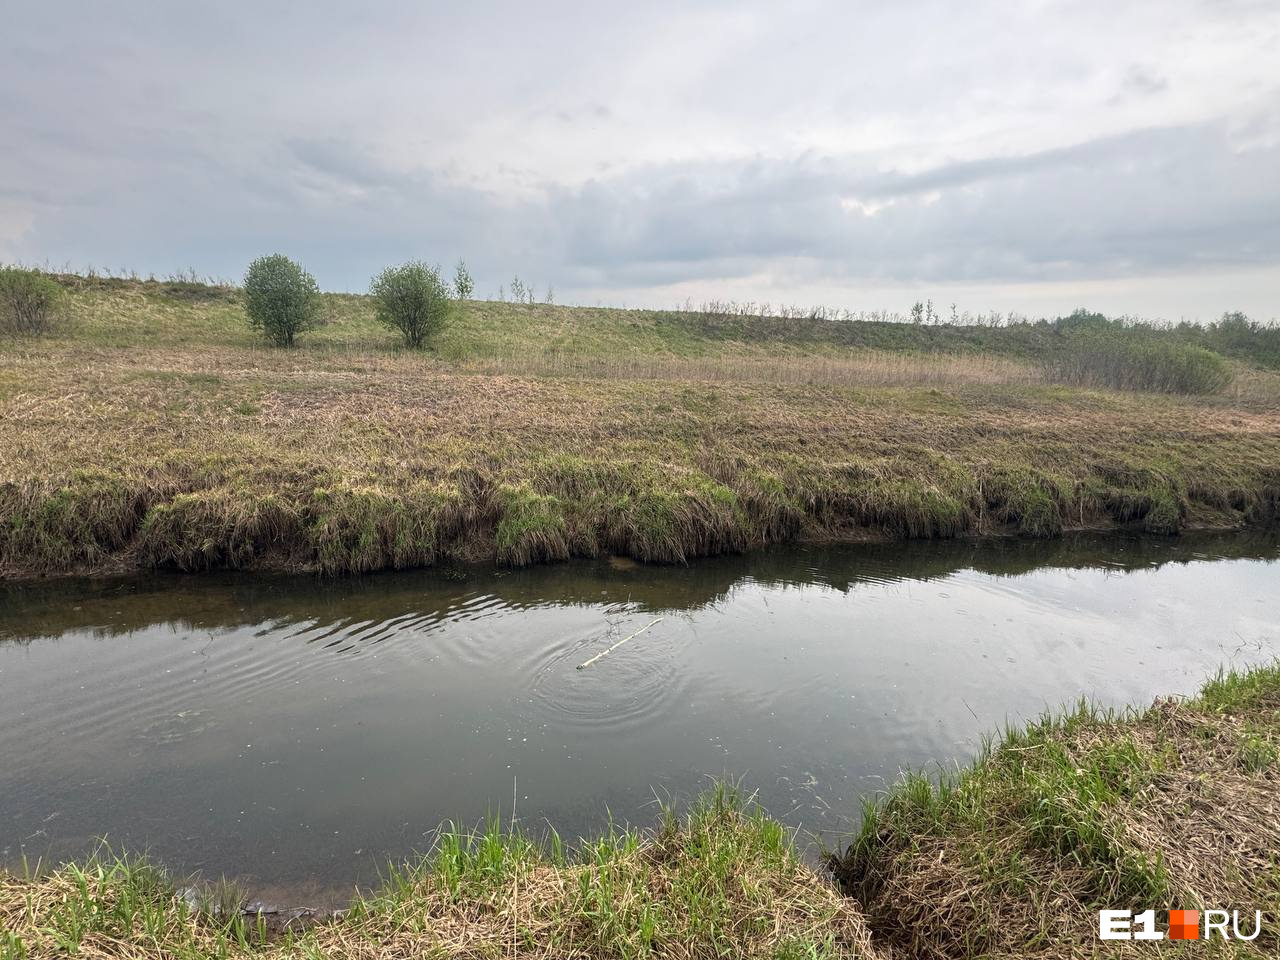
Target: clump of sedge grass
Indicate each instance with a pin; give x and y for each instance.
(1123, 360)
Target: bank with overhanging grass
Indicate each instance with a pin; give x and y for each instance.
(1172, 806)
(152, 431)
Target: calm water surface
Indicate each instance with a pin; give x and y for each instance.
(297, 733)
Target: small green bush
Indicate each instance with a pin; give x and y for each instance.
(1128, 361)
(1236, 335)
(463, 285)
(29, 301)
(412, 299)
(281, 299)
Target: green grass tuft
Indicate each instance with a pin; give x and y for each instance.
(723, 880)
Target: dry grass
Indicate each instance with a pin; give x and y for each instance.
(725, 882)
(157, 433)
(212, 457)
(867, 368)
(1173, 807)
(1253, 387)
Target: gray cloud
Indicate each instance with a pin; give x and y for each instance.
(1141, 82)
(1148, 201)
(652, 148)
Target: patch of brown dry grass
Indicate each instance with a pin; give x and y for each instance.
(865, 368)
(94, 441)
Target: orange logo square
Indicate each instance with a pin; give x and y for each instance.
(1184, 924)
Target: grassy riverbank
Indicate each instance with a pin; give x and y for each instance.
(1173, 806)
(152, 430)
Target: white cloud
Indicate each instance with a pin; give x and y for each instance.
(859, 148)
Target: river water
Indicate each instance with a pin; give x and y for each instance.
(296, 733)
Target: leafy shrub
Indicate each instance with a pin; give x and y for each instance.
(29, 301)
(1085, 320)
(1237, 335)
(281, 299)
(1097, 358)
(463, 285)
(413, 299)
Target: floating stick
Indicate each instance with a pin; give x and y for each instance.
(610, 650)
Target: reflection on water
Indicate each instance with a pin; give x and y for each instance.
(298, 732)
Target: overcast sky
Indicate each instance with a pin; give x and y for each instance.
(1030, 156)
